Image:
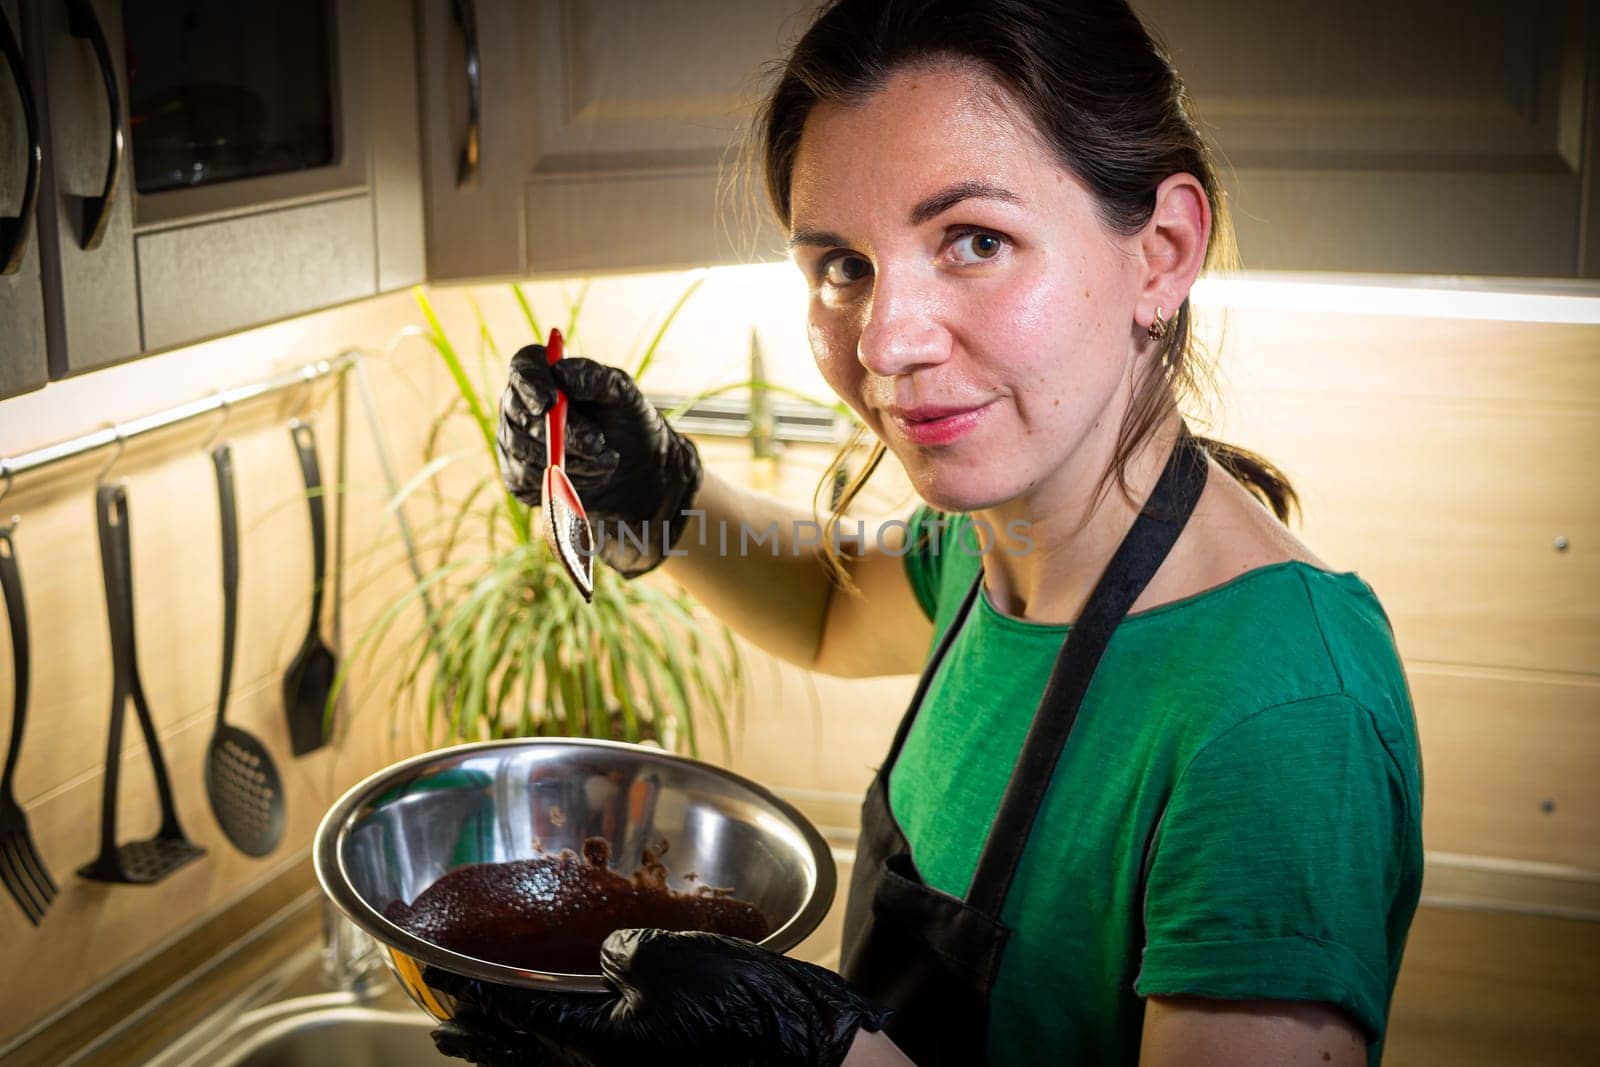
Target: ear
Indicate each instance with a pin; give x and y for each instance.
(1172, 246)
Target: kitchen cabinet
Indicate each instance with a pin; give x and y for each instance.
(22, 350)
(1432, 137)
(568, 136)
(211, 168)
(86, 247)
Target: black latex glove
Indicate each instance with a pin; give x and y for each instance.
(628, 466)
(679, 1000)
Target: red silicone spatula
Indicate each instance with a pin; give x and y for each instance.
(566, 527)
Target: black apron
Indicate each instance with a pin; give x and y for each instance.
(933, 957)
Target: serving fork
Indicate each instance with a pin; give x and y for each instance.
(22, 869)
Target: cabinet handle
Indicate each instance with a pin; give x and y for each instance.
(466, 14)
(96, 210)
(14, 232)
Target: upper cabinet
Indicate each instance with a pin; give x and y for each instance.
(209, 167)
(1429, 137)
(22, 354)
(91, 287)
(198, 168)
(588, 135)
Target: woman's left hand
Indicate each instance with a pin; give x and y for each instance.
(678, 998)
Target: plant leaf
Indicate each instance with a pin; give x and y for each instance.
(415, 481)
(509, 647)
(527, 312)
(655, 342)
(474, 402)
(486, 346)
(574, 310)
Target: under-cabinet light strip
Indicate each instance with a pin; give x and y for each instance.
(1550, 300)
(1491, 299)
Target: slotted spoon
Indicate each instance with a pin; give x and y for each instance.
(241, 779)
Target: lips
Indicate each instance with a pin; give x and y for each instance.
(936, 424)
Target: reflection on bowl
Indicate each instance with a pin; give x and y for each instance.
(395, 834)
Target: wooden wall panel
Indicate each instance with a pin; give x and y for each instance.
(1511, 764)
(1480, 989)
(1442, 460)
(1452, 513)
(1500, 364)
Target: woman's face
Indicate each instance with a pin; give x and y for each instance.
(966, 299)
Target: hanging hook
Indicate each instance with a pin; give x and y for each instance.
(226, 409)
(122, 443)
(5, 491)
(309, 373)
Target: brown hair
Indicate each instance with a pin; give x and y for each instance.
(1108, 102)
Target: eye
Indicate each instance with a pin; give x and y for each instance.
(845, 269)
(976, 246)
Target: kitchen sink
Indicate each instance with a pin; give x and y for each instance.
(289, 1019)
(349, 1036)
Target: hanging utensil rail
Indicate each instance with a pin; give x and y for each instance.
(22, 463)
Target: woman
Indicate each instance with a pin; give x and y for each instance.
(1157, 799)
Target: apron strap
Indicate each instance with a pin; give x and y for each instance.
(1132, 566)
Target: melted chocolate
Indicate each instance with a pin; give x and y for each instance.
(552, 913)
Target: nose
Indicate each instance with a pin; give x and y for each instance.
(902, 330)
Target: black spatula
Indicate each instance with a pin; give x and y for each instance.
(309, 679)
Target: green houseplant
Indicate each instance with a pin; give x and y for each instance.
(495, 641)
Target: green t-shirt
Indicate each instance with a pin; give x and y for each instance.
(1236, 815)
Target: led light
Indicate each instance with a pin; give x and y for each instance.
(1416, 296)
(781, 273)
(1498, 299)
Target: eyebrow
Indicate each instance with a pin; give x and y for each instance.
(816, 239)
(928, 208)
(931, 207)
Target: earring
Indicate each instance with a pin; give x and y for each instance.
(1157, 328)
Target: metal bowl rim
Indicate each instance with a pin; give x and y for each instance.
(335, 825)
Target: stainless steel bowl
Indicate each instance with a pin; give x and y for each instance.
(395, 834)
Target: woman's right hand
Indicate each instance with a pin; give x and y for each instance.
(629, 466)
